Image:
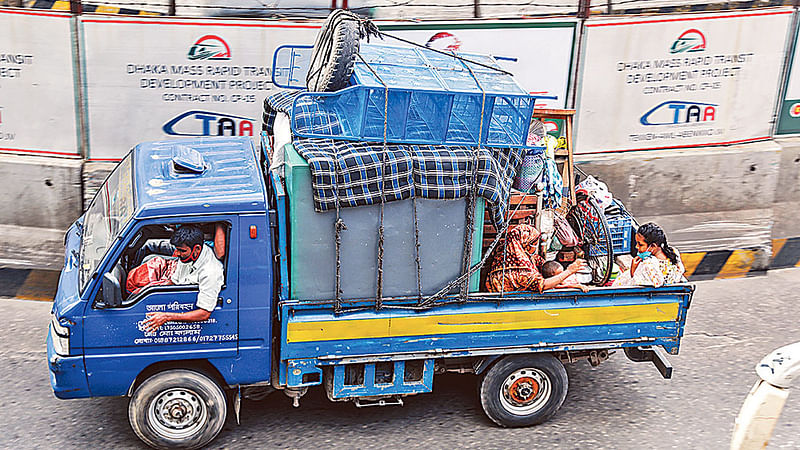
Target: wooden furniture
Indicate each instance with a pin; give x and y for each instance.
(563, 155)
(527, 211)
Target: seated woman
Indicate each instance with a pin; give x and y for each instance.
(656, 264)
(516, 264)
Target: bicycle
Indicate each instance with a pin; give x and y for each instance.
(589, 223)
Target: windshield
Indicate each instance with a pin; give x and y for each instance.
(108, 214)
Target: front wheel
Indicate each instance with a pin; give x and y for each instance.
(524, 390)
(177, 409)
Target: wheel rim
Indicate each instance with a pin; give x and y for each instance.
(177, 413)
(525, 391)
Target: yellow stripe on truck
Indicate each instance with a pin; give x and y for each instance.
(330, 330)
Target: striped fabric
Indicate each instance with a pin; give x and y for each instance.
(424, 171)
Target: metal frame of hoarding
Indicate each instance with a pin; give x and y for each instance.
(789, 54)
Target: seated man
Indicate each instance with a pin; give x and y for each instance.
(197, 265)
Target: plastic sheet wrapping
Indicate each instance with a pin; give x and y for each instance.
(726, 230)
(282, 136)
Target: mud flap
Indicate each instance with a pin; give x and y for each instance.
(237, 404)
(655, 355)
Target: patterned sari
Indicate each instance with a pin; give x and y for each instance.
(515, 264)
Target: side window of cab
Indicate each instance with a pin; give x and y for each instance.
(147, 262)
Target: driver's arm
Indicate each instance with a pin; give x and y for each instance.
(210, 283)
(156, 319)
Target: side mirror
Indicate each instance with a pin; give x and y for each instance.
(112, 293)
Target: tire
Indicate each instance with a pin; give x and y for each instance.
(524, 390)
(334, 54)
(589, 222)
(177, 409)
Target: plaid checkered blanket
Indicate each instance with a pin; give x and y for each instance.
(427, 171)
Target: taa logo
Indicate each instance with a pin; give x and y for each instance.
(210, 47)
(674, 112)
(206, 123)
(689, 42)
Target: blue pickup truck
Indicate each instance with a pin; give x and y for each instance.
(366, 296)
(181, 378)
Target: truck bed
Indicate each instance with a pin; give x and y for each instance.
(486, 324)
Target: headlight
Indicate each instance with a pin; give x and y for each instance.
(60, 337)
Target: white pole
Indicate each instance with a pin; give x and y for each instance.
(763, 405)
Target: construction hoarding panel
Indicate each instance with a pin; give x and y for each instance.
(37, 84)
(680, 81)
(156, 78)
(538, 52)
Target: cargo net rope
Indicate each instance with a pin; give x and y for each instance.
(285, 102)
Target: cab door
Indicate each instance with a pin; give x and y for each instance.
(118, 348)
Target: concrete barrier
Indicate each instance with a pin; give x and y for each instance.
(94, 174)
(786, 206)
(39, 199)
(716, 199)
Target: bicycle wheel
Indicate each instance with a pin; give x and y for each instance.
(589, 222)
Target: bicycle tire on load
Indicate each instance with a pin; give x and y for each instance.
(588, 220)
(334, 53)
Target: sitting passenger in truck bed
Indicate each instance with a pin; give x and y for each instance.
(656, 263)
(553, 268)
(516, 264)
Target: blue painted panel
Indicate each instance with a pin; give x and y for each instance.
(370, 388)
(666, 333)
(297, 368)
(231, 181)
(282, 366)
(117, 347)
(255, 301)
(663, 333)
(67, 374)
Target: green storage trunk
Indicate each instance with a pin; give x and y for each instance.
(312, 248)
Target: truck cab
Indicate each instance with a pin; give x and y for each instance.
(96, 329)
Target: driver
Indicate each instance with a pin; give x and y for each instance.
(197, 265)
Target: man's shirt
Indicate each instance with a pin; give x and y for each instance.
(205, 272)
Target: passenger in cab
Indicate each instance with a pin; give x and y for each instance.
(516, 264)
(656, 263)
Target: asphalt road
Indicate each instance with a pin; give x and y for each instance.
(619, 405)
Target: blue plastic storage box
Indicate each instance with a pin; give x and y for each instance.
(432, 99)
(621, 229)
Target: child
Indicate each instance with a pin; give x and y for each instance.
(552, 268)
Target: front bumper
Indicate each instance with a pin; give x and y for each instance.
(67, 373)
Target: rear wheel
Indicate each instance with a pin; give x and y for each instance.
(177, 409)
(524, 390)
